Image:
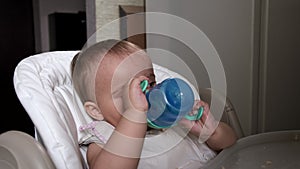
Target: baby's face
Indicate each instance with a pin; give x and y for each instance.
(113, 76)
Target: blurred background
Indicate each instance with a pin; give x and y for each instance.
(258, 42)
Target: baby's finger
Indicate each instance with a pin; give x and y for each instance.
(197, 105)
(203, 104)
(141, 78)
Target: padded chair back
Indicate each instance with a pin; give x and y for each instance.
(43, 85)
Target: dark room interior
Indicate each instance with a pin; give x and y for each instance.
(17, 42)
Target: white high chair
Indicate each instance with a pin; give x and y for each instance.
(43, 85)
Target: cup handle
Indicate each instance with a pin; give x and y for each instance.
(144, 84)
(195, 116)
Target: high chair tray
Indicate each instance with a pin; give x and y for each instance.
(280, 150)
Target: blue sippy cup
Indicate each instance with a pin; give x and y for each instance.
(169, 101)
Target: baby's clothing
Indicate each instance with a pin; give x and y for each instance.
(170, 149)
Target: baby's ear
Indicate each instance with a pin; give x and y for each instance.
(93, 110)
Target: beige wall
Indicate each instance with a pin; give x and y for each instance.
(229, 26)
(108, 11)
(258, 44)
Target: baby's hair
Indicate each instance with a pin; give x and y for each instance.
(85, 64)
(73, 62)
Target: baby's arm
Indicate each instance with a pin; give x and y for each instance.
(124, 147)
(221, 135)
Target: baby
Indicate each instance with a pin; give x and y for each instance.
(107, 77)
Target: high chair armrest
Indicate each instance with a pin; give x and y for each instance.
(20, 150)
(229, 115)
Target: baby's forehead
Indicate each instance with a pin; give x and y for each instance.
(134, 64)
(122, 69)
(126, 62)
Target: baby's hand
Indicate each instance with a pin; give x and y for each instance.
(205, 125)
(133, 96)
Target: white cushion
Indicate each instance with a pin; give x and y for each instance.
(44, 87)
